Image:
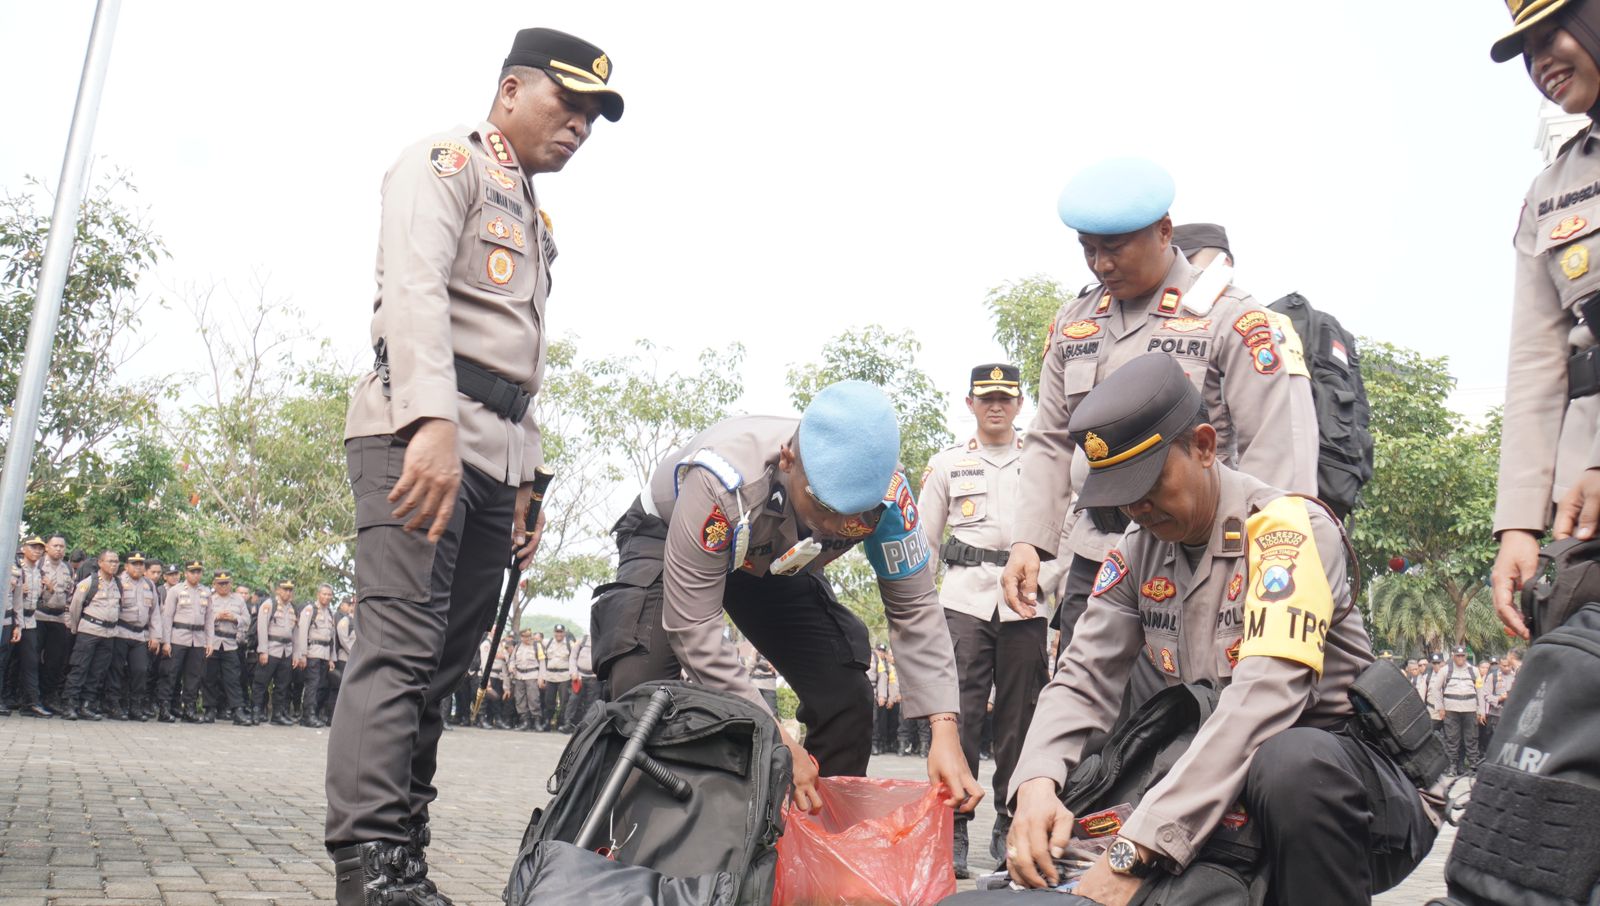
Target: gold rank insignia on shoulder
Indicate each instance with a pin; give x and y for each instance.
(1575, 262)
(1104, 305)
(499, 148)
(1095, 448)
(448, 158)
(1169, 300)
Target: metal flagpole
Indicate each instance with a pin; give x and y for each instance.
(53, 273)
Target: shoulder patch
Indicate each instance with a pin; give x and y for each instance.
(1288, 604)
(1048, 336)
(712, 462)
(715, 531)
(1112, 571)
(1288, 340)
(448, 158)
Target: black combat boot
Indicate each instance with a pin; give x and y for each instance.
(376, 874)
(959, 850)
(88, 713)
(997, 839)
(188, 716)
(241, 717)
(418, 836)
(164, 713)
(69, 713)
(281, 719)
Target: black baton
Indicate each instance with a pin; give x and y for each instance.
(541, 483)
(634, 756)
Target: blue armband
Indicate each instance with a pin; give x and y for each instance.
(897, 548)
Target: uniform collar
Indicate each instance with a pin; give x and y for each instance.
(1007, 455)
(1128, 314)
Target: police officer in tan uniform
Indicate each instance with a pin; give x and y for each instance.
(134, 641)
(227, 624)
(1551, 448)
(26, 598)
(92, 618)
(741, 520)
(276, 622)
(315, 638)
(1150, 299)
(55, 642)
(972, 488)
(441, 439)
(1224, 580)
(183, 644)
(524, 682)
(555, 680)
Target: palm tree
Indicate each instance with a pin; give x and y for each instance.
(1417, 611)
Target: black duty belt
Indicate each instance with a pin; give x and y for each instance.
(106, 624)
(1459, 697)
(279, 638)
(504, 398)
(223, 635)
(124, 624)
(959, 553)
(192, 627)
(1583, 368)
(52, 611)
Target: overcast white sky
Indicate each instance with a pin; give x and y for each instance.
(786, 171)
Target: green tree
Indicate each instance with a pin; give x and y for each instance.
(1024, 312)
(1410, 614)
(877, 356)
(1431, 498)
(263, 449)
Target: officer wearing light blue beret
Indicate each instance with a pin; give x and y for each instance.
(740, 522)
(1147, 298)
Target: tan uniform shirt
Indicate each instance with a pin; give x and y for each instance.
(183, 615)
(1192, 623)
(584, 659)
(743, 452)
(463, 269)
(97, 616)
(972, 490)
(1550, 441)
(1457, 689)
(26, 593)
(227, 622)
(139, 618)
(314, 634)
(1262, 417)
(347, 637)
(525, 662)
(275, 629)
(556, 665)
(58, 588)
(1495, 688)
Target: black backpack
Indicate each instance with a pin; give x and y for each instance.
(1344, 455)
(1531, 834)
(718, 847)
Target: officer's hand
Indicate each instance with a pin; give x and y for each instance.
(1105, 886)
(1482, 720)
(806, 796)
(1020, 581)
(208, 651)
(430, 478)
(1040, 829)
(154, 646)
(166, 649)
(525, 543)
(541, 684)
(16, 634)
(882, 703)
(262, 660)
(1579, 510)
(948, 766)
(1515, 564)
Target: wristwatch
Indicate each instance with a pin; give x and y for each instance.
(1123, 858)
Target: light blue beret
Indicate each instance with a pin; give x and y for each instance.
(1116, 196)
(850, 445)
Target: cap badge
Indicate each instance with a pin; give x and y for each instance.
(1079, 330)
(501, 267)
(1516, 5)
(602, 66)
(1095, 448)
(1575, 262)
(1568, 227)
(996, 374)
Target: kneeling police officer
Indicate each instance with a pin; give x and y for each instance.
(1224, 580)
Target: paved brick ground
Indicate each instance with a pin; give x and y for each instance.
(178, 815)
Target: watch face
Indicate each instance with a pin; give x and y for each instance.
(1122, 857)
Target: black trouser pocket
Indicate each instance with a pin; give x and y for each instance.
(624, 612)
(390, 561)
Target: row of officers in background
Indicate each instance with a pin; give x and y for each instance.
(1466, 701)
(132, 640)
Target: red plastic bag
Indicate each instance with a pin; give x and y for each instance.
(874, 842)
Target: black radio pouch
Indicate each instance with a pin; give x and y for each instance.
(1394, 718)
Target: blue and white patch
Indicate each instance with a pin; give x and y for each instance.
(709, 460)
(897, 548)
(1112, 571)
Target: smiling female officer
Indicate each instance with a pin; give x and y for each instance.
(1550, 450)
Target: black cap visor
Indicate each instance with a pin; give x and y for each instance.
(574, 79)
(1124, 483)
